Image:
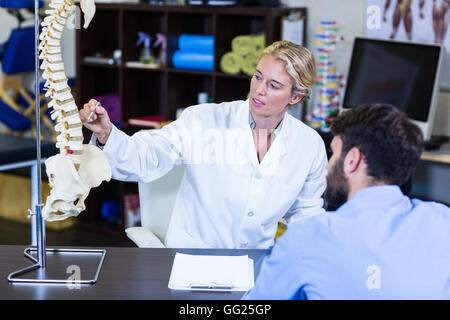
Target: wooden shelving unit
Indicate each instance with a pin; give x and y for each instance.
(146, 91)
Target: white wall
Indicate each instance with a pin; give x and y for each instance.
(350, 16)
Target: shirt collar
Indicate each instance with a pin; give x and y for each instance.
(277, 130)
(386, 196)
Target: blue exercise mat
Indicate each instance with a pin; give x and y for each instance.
(193, 61)
(196, 43)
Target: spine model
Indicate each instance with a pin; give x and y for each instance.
(65, 111)
(78, 167)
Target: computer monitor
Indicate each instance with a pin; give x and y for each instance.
(403, 74)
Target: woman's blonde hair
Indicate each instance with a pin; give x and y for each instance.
(300, 64)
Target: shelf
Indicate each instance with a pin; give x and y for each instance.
(143, 67)
(145, 91)
(99, 65)
(142, 93)
(232, 76)
(189, 72)
(177, 71)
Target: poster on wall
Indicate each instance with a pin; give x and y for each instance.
(423, 21)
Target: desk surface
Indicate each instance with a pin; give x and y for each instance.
(441, 155)
(127, 273)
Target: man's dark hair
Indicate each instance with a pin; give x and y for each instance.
(390, 143)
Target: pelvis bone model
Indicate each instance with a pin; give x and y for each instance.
(78, 167)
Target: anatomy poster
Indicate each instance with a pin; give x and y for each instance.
(425, 21)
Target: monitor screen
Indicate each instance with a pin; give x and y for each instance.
(398, 73)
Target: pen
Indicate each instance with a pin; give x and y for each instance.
(201, 286)
(91, 115)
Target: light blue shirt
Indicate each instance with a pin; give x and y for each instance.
(378, 245)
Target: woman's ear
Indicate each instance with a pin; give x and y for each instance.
(296, 98)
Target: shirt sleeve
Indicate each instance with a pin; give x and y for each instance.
(148, 154)
(279, 277)
(309, 200)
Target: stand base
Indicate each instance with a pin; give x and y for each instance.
(64, 266)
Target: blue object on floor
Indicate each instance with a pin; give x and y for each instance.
(110, 210)
(13, 119)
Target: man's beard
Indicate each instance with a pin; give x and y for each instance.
(337, 186)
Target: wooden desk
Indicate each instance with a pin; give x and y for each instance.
(441, 155)
(127, 273)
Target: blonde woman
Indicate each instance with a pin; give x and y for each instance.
(248, 163)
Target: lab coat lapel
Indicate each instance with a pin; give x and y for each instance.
(272, 160)
(246, 145)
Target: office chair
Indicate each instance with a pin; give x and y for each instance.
(157, 199)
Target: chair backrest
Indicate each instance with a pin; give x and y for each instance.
(18, 56)
(157, 199)
(19, 4)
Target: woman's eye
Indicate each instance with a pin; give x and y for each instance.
(257, 77)
(274, 86)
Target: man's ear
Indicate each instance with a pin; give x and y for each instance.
(352, 160)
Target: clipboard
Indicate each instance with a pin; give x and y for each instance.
(211, 273)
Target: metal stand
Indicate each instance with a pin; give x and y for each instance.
(62, 257)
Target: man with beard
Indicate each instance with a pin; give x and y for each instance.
(378, 244)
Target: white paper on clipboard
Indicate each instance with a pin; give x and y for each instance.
(211, 273)
(292, 28)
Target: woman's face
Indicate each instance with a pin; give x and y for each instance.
(271, 88)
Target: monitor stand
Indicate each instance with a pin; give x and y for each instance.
(435, 142)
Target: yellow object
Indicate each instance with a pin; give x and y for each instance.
(280, 231)
(315, 124)
(244, 55)
(258, 43)
(249, 64)
(242, 45)
(231, 63)
(331, 85)
(324, 99)
(15, 200)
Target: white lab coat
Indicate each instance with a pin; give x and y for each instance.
(227, 199)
